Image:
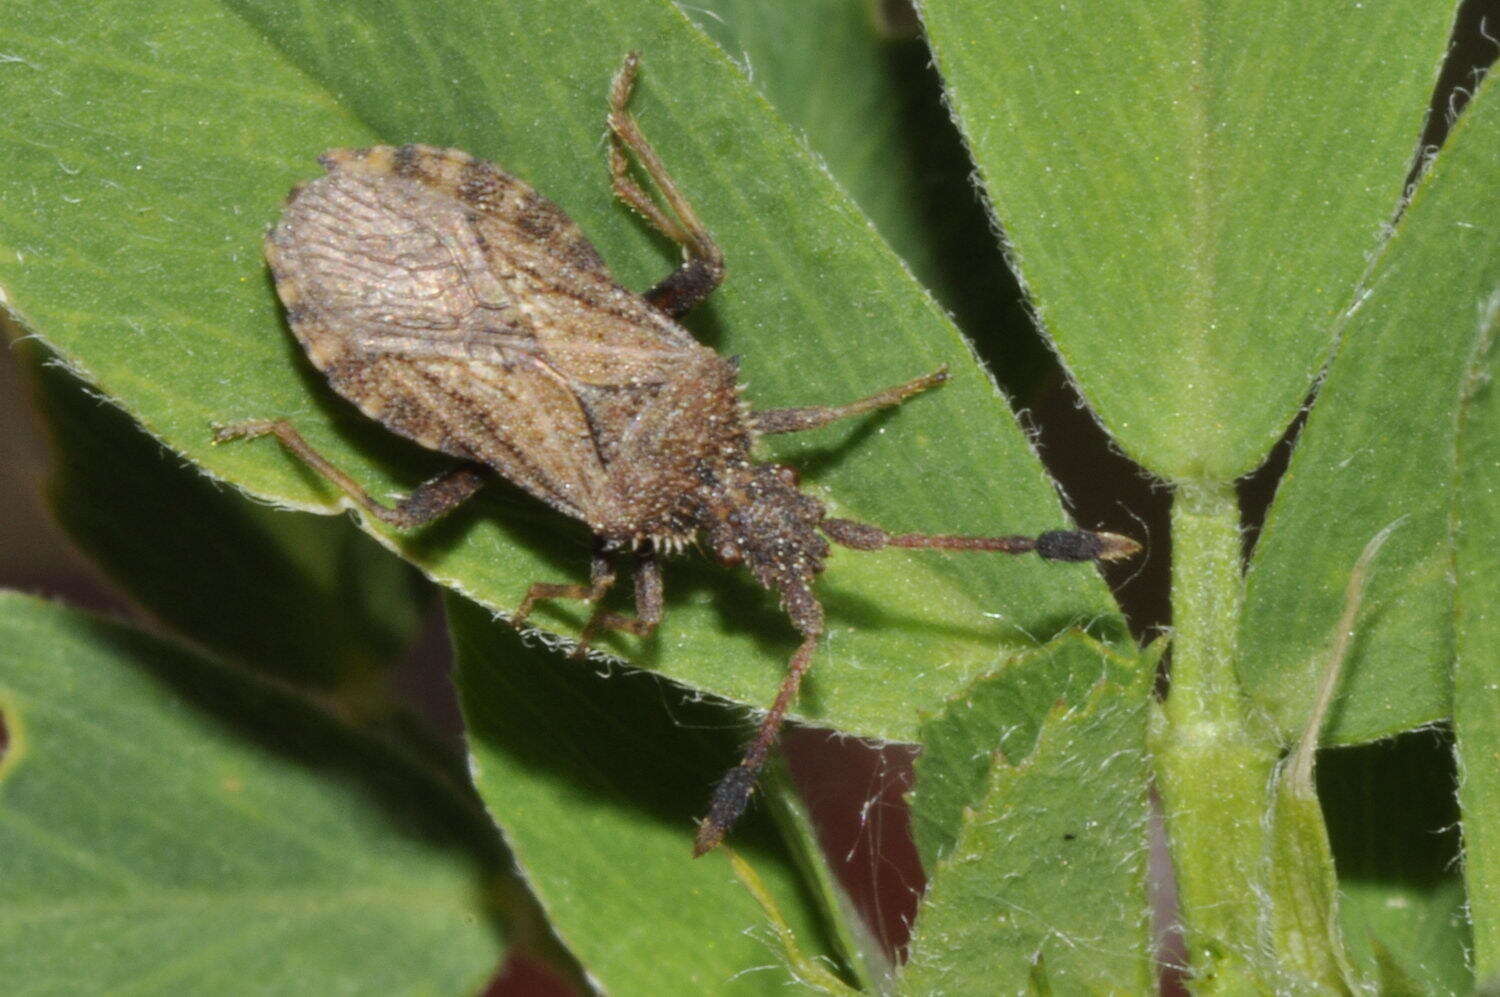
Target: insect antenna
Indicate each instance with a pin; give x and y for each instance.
(732, 794)
(1054, 545)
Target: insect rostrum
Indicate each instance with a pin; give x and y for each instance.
(463, 310)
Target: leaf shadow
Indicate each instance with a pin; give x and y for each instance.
(627, 739)
(420, 800)
(1393, 825)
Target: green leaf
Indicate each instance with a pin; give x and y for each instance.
(1379, 445)
(596, 779)
(1301, 891)
(308, 599)
(824, 67)
(1190, 193)
(1302, 894)
(869, 964)
(1392, 823)
(1046, 884)
(1476, 682)
(144, 173)
(1001, 711)
(170, 826)
(871, 107)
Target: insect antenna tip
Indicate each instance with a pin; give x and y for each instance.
(1083, 545)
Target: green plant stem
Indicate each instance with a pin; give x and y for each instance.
(1214, 763)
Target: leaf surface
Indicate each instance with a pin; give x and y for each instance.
(864, 92)
(152, 147)
(305, 598)
(1190, 193)
(596, 779)
(167, 825)
(1392, 821)
(1476, 682)
(1002, 711)
(1379, 445)
(1045, 886)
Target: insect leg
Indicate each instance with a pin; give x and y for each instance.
(429, 501)
(601, 579)
(795, 420)
(648, 606)
(1054, 545)
(702, 268)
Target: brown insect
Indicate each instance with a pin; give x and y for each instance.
(463, 310)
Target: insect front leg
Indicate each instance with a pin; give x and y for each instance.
(795, 420)
(702, 267)
(429, 501)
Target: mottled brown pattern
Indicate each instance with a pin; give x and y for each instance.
(463, 310)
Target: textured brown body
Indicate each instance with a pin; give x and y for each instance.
(463, 310)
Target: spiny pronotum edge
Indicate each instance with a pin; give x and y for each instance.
(461, 309)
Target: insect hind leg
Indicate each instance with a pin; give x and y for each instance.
(648, 606)
(702, 269)
(430, 500)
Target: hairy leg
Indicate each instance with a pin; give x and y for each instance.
(601, 579)
(702, 267)
(732, 794)
(431, 499)
(648, 599)
(648, 606)
(795, 420)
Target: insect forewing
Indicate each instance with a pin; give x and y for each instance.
(456, 305)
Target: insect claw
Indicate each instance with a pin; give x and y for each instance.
(248, 430)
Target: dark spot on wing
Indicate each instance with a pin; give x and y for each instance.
(479, 185)
(405, 161)
(536, 217)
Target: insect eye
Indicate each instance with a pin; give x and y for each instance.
(729, 554)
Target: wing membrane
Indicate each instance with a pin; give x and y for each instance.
(453, 303)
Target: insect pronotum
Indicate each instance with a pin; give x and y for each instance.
(458, 307)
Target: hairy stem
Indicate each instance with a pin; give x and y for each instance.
(1214, 762)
